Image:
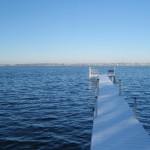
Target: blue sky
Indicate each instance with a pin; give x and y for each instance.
(74, 31)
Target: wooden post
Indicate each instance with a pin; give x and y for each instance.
(135, 107)
(119, 87)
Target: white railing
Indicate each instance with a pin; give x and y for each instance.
(93, 73)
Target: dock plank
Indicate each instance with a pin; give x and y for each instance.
(115, 127)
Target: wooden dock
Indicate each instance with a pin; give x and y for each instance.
(115, 127)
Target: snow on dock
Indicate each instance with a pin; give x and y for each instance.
(115, 127)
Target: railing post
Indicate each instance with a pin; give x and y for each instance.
(96, 103)
(97, 87)
(97, 94)
(135, 107)
(119, 87)
(112, 79)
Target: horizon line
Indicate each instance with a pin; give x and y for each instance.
(78, 64)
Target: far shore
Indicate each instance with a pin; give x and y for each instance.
(79, 64)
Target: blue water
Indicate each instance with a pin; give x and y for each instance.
(45, 108)
(51, 108)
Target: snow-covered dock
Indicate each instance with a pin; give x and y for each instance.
(115, 127)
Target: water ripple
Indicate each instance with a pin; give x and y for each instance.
(45, 108)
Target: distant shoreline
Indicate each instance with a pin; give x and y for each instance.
(79, 64)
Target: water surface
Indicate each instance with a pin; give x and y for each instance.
(52, 107)
(45, 108)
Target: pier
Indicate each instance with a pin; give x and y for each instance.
(115, 126)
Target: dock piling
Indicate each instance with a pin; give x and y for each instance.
(96, 106)
(112, 79)
(96, 102)
(97, 86)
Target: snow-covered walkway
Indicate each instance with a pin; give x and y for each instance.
(115, 127)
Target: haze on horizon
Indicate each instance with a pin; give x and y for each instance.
(74, 31)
